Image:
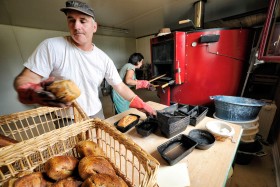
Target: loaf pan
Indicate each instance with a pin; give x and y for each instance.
(176, 149)
(147, 127)
(125, 129)
(197, 113)
(172, 122)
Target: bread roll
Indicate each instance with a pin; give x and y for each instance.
(127, 120)
(90, 165)
(5, 141)
(64, 90)
(68, 182)
(87, 148)
(61, 167)
(123, 182)
(23, 173)
(10, 182)
(31, 180)
(103, 180)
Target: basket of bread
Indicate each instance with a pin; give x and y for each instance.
(89, 153)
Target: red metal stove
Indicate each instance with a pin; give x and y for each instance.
(200, 63)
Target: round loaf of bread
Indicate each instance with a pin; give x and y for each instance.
(90, 165)
(30, 180)
(61, 167)
(101, 179)
(65, 90)
(68, 182)
(87, 148)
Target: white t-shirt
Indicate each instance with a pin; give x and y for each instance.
(59, 57)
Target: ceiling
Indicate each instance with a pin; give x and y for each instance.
(138, 17)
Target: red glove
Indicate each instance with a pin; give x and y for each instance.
(31, 93)
(142, 84)
(138, 103)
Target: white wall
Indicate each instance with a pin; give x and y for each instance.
(17, 43)
(143, 46)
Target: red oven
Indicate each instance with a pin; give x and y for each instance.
(199, 64)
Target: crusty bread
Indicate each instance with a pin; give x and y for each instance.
(101, 180)
(30, 180)
(87, 148)
(10, 182)
(61, 167)
(64, 90)
(90, 165)
(5, 141)
(68, 182)
(127, 120)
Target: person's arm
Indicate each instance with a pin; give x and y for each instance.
(31, 89)
(129, 78)
(138, 83)
(135, 101)
(26, 76)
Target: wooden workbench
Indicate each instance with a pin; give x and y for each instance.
(205, 167)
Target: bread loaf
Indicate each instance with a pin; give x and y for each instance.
(127, 120)
(102, 180)
(87, 148)
(31, 180)
(64, 90)
(90, 165)
(5, 141)
(68, 182)
(61, 167)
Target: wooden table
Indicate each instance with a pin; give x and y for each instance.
(205, 167)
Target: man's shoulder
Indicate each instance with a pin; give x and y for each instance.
(100, 52)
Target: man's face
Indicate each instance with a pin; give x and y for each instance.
(81, 27)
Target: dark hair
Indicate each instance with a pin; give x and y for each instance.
(135, 58)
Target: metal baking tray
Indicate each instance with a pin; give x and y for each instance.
(204, 139)
(197, 113)
(125, 129)
(171, 122)
(176, 148)
(147, 127)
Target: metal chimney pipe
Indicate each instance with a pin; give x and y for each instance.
(199, 7)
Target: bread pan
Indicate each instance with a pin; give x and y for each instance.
(125, 129)
(197, 113)
(147, 127)
(171, 121)
(204, 139)
(176, 148)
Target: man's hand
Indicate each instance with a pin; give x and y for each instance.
(32, 93)
(142, 106)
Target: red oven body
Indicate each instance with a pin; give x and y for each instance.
(201, 63)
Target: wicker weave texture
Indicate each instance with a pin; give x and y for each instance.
(31, 123)
(134, 165)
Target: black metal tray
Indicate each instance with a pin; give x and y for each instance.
(147, 127)
(125, 129)
(176, 149)
(204, 139)
(171, 121)
(197, 113)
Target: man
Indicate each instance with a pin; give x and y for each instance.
(73, 57)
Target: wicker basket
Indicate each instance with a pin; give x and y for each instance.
(133, 164)
(31, 123)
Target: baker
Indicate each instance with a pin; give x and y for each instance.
(73, 57)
